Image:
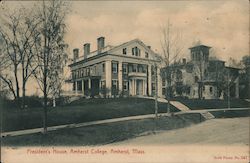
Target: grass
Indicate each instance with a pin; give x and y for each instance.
(231, 113)
(230, 131)
(104, 134)
(79, 111)
(196, 104)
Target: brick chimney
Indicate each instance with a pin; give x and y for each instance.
(86, 50)
(100, 43)
(75, 54)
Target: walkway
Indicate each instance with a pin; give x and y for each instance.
(107, 121)
(176, 104)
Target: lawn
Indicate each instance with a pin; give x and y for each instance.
(104, 134)
(230, 131)
(195, 104)
(231, 113)
(83, 110)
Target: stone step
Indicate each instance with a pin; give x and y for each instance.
(207, 115)
(179, 105)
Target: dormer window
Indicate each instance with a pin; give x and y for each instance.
(124, 51)
(146, 54)
(136, 51)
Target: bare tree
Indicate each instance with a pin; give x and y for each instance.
(19, 36)
(50, 49)
(172, 49)
(10, 60)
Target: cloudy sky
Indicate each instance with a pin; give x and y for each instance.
(223, 25)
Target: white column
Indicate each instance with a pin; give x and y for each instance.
(120, 76)
(142, 87)
(108, 76)
(130, 87)
(135, 87)
(159, 80)
(89, 84)
(149, 81)
(83, 87)
(145, 87)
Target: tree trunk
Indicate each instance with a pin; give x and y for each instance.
(17, 88)
(45, 114)
(24, 95)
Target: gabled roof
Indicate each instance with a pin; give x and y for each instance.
(132, 41)
(107, 49)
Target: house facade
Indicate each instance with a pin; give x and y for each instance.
(202, 77)
(128, 69)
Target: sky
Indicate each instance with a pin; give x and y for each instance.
(220, 24)
(223, 25)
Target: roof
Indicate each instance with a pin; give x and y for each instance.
(197, 46)
(215, 60)
(109, 48)
(232, 68)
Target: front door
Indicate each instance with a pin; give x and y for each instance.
(139, 87)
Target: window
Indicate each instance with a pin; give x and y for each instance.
(114, 87)
(163, 82)
(124, 68)
(91, 71)
(115, 84)
(103, 84)
(82, 72)
(146, 54)
(153, 86)
(124, 51)
(130, 68)
(74, 86)
(211, 89)
(88, 71)
(78, 73)
(152, 70)
(140, 68)
(136, 51)
(114, 67)
(134, 67)
(94, 70)
(125, 85)
(103, 67)
(79, 86)
(163, 91)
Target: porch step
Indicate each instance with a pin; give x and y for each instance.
(207, 115)
(179, 105)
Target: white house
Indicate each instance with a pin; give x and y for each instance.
(127, 69)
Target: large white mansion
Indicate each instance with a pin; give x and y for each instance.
(133, 68)
(127, 70)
